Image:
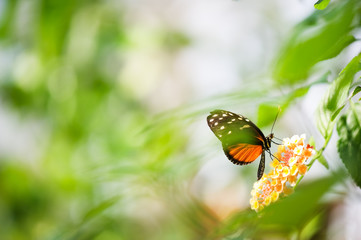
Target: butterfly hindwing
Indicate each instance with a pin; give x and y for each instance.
(242, 153)
(241, 139)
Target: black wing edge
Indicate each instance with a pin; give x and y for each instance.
(220, 111)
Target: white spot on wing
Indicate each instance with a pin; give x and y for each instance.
(224, 115)
(220, 118)
(211, 120)
(215, 115)
(229, 122)
(216, 123)
(247, 120)
(233, 119)
(222, 127)
(245, 126)
(229, 132)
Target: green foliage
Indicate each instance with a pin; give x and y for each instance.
(284, 217)
(348, 145)
(356, 91)
(269, 109)
(266, 114)
(321, 4)
(108, 168)
(334, 101)
(335, 96)
(332, 104)
(96, 164)
(323, 161)
(337, 112)
(321, 36)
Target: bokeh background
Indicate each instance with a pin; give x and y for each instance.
(103, 109)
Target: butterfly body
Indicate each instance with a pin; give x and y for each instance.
(242, 140)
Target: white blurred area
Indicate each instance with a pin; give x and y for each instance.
(230, 43)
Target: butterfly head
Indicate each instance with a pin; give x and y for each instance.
(268, 141)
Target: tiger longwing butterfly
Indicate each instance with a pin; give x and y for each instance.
(241, 139)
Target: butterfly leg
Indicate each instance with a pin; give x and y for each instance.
(261, 166)
(273, 156)
(276, 143)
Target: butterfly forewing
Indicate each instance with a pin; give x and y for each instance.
(242, 140)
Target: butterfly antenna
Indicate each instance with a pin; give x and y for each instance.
(279, 139)
(279, 109)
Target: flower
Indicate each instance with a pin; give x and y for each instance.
(288, 165)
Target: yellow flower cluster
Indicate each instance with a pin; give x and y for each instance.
(289, 165)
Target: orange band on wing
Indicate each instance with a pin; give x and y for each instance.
(244, 153)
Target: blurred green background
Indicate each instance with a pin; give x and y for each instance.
(103, 109)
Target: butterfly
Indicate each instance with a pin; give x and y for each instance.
(241, 139)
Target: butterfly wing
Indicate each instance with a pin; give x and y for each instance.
(243, 153)
(242, 140)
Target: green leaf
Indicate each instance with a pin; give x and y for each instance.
(335, 97)
(267, 111)
(335, 114)
(323, 161)
(286, 215)
(339, 45)
(321, 4)
(300, 92)
(312, 229)
(296, 209)
(349, 130)
(97, 210)
(356, 91)
(323, 35)
(266, 114)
